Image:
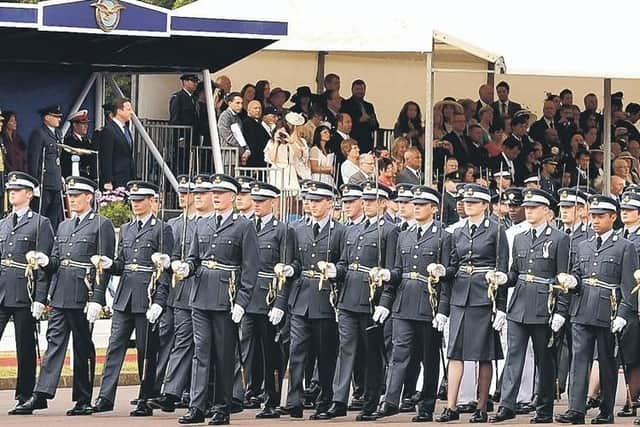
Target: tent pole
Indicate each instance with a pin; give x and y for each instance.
(81, 98)
(99, 100)
(213, 122)
(606, 137)
(320, 71)
(145, 136)
(428, 119)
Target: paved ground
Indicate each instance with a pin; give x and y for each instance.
(55, 415)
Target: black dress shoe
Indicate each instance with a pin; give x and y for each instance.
(337, 409)
(570, 417)
(102, 405)
(209, 412)
(627, 411)
(251, 403)
(236, 407)
(268, 412)
(480, 416)
(541, 419)
(142, 409)
(636, 422)
(193, 416)
(448, 415)
(367, 416)
(219, 419)
(503, 414)
(32, 404)
(293, 412)
(423, 417)
(166, 403)
(496, 396)
(80, 409)
(467, 408)
(407, 405)
(387, 410)
(602, 419)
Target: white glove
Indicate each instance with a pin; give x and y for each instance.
(154, 312)
(436, 270)
(236, 313)
(275, 316)
(101, 259)
(37, 257)
(329, 269)
(161, 259)
(617, 324)
(439, 322)
(500, 320)
(93, 310)
(37, 308)
(567, 280)
(285, 269)
(380, 314)
(180, 268)
(556, 322)
(498, 276)
(384, 274)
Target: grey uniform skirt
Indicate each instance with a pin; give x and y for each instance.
(471, 335)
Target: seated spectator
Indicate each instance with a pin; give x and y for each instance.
(351, 152)
(398, 147)
(314, 120)
(277, 98)
(477, 152)
(366, 170)
(592, 137)
(321, 160)
(263, 90)
(230, 127)
(468, 174)
(382, 152)
(590, 116)
(469, 107)
(447, 108)
(485, 119)
(547, 121)
(451, 165)
(494, 146)
(16, 155)
(387, 173)
(409, 123)
(632, 115)
(257, 130)
(622, 167)
(458, 139)
(302, 100)
(248, 94)
(411, 174)
(618, 185)
(566, 126)
(332, 106)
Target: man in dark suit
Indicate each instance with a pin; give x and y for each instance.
(344, 125)
(504, 107)
(590, 109)
(117, 166)
(44, 142)
(411, 174)
(363, 115)
(458, 139)
(181, 104)
(257, 129)
(547, 121)
(486, 98)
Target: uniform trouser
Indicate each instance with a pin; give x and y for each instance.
(412, 372)
(24, 325)
(564, 356)
(321, 335)
(518, 335)
(122, 324)
(260, 334)
(51, 207)
(527, 380)
(250, 383)
(352, 328)
(215, 347)
(178, 372)
(406, 335)
(63, 323)
(359, 374)
(584, 339)
(166, 338)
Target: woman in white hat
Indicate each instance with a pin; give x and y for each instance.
(288, 152)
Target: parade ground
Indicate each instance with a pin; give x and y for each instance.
(55, 415)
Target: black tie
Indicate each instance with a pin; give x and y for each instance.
(625, 234)
(504, 108)
(139, 225)
(473, 229)
(15, 219)
(567, 230)
(316, 230)
(77, 221)
(534, 234)
(598, 242)
(218, 221)
(367, 223)
(419, 233)
(404, 226)
(258, 224)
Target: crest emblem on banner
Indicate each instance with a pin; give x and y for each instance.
(107, 14)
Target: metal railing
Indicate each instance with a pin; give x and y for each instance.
(383, 137)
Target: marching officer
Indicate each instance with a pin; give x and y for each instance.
(244, 201)
(276, 245)
(368, 248)
(222, 257)
(538, 255)
(140, 298)
(44, 162)
(475, 302)
(176, 331)
(404, 200)
(312, 298)
(411, 297)
(75, 290)
(602, 305)
(23, 288)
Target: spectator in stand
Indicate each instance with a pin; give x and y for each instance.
(506, 160)
(632, 115)
(302, 100)
(223, 84)
(16, 148)
(398, 147)
(504, 107)
(438, 123)
(201, 131)
(288, 152)
(566, 126)
(458, 139)
(387, 173)
(321, 161)
(566, 97)
(181, 104)
(248, 94)
(230, 127)
(583, 170)
(485, 92)
(633, 147)
(344, 125)
(351, 152)
(449, 108)
(477, 152)
(494, 146)
(547, 121)
(411, 174)
(485, 119)
(576, 143)
(117, 166)
(469, 108)
(263, 89)
(622, 167)
(258, 130)
(590, 111)
(363, 115)
(331, 83)
(468, 174)
(77, 137)
(451, 166)
(618, 185)
(409, 123)
(366, 172)
(277, 98)
(382, 152)
(333, 104)
(315, 118)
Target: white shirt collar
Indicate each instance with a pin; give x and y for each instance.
(144, 219)
(21, 212)
(204, 215)
(540, 229)
(409, 222)
(425, 226)
(83, 215)
(188, 93)
(605, 236)
(358, 220)
(226, 214)
(266, 219)
(415, 171)
(119, 123)
(633, 228)
(249, 214)
(477, 224)
(322, 222)
(52, 129)
(342, 134)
